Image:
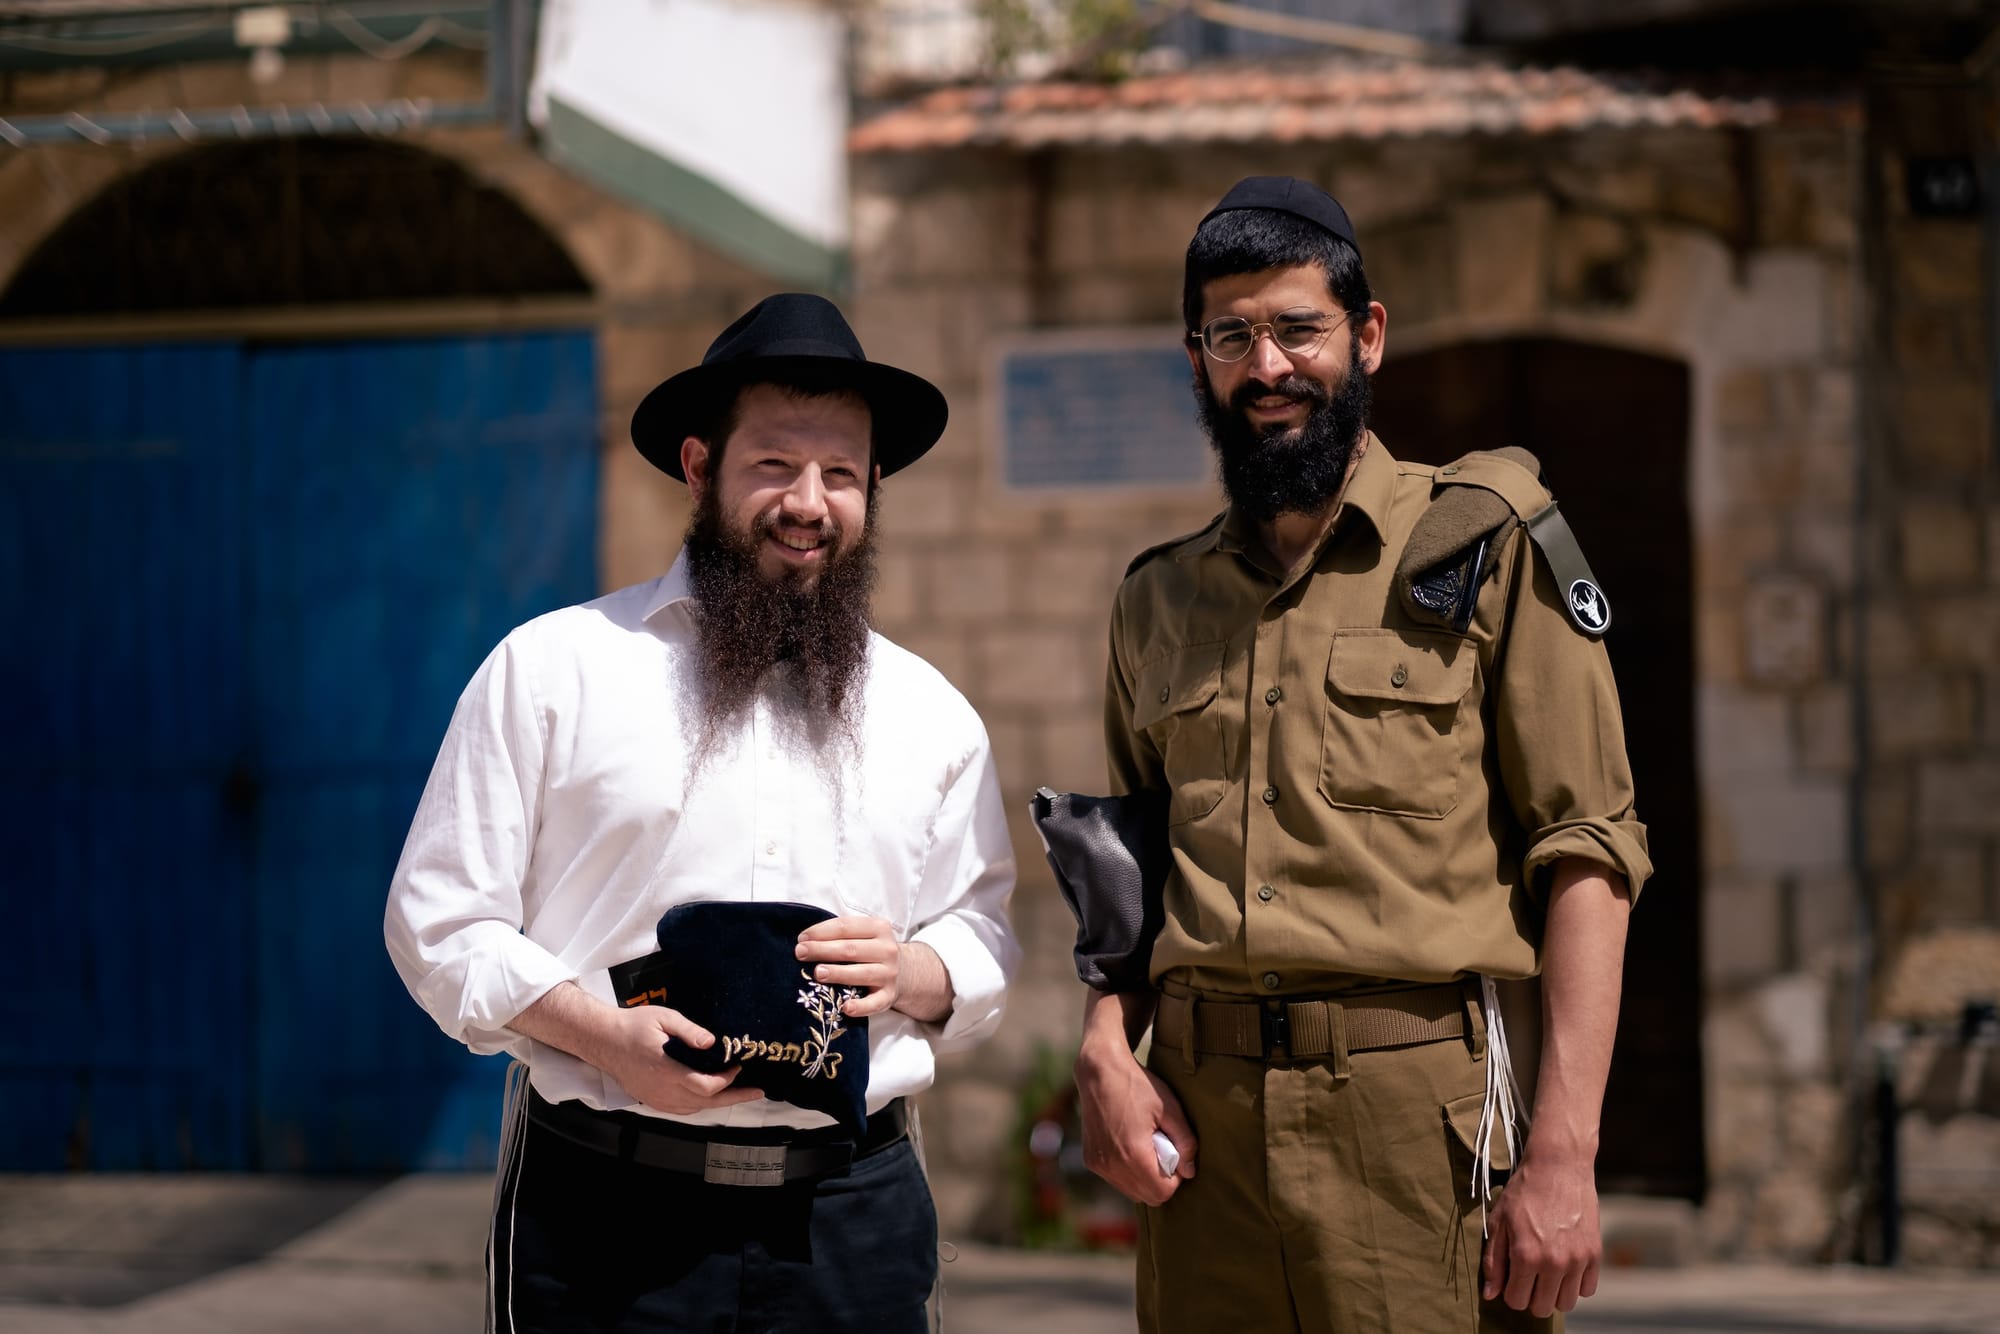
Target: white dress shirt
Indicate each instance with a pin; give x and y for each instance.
(561, 820)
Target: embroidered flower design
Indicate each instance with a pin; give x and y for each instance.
(823, 1001)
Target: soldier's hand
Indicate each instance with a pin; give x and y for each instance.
(858, 952)
(1122, 1104)
(1543, 1241)
(636, 1060)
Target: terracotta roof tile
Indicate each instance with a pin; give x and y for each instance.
(1330, 101)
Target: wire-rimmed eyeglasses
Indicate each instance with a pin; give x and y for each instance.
(1299, 332)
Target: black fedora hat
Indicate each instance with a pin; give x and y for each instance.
(800, 338)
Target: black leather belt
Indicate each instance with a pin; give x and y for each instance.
(749, 1156)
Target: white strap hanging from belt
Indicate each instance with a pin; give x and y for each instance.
(506, 1183)
(1504, 1108)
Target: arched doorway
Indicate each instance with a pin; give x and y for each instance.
(1611, 429)
(247, 566)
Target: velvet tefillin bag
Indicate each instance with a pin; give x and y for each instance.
(733, 968)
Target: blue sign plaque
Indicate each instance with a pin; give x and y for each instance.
(1089, 410)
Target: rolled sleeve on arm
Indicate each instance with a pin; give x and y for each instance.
(962, 905)
(1619, 845)
(1561, 736)
(453, 922)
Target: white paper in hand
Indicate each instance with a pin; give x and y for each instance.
(1169, 1156)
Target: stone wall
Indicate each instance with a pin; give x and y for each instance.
(1932, 652)
(1734, 254)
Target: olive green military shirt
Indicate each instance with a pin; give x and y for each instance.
(1355, 794)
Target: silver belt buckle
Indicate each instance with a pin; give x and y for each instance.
(744, 1165)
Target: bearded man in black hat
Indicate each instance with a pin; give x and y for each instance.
(1374, 699)
(640, 801)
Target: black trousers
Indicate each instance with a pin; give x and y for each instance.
(584, 1242)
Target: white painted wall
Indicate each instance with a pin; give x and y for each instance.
(750, 94)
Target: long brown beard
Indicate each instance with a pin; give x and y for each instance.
(813, 636)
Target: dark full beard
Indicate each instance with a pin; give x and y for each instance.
(813, 636)
(1286, 470)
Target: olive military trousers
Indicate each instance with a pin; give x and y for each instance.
(1322, 1203)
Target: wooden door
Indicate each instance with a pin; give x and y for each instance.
(1611, 430)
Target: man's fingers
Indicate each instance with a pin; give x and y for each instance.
(1140, 1178)
(1520, 1289)
(1542, 1300)
(1493, 1264)
(849, 950)
(847, 928)
(678, 1025)
(855, 974)
(718, 1089)
(709, 1085)
(1567, 1292)
(875, 1002)
(1588, 1286)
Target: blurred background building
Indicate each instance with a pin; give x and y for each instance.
(320, 324)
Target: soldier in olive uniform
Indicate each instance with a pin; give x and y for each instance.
(1376, 697)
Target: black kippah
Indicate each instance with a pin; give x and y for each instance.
(1288, 194)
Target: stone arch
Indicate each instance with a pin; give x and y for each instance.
(288, 222)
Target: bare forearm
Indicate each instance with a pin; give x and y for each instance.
(923, 984)
(1583, 957)
(1114, 1020)
(570, 1019)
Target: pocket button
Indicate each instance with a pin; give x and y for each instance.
(1400, 677)
(1270, 796)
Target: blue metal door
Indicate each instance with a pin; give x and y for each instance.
(242, 587)
(124, 854)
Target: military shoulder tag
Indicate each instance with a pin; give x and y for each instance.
(1514, 476)
(1583, 598)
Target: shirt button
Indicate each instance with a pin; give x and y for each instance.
(1265, 892)
(770, 849)
(1449, 470)
(1164, 692)
(1270, 796)
(1273, 695)
(1271, 981)
(1398, 677)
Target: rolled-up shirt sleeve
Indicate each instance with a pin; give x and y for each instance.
(1561, 735)
(453, 923)
(961, 909)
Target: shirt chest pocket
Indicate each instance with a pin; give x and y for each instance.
(1393, 739)
(1178, 708)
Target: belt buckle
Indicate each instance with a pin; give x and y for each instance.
(744, 1165)
(1275, 1029)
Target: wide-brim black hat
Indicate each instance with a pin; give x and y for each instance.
(799, 337)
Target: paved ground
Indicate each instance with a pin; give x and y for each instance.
(262, 1255)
